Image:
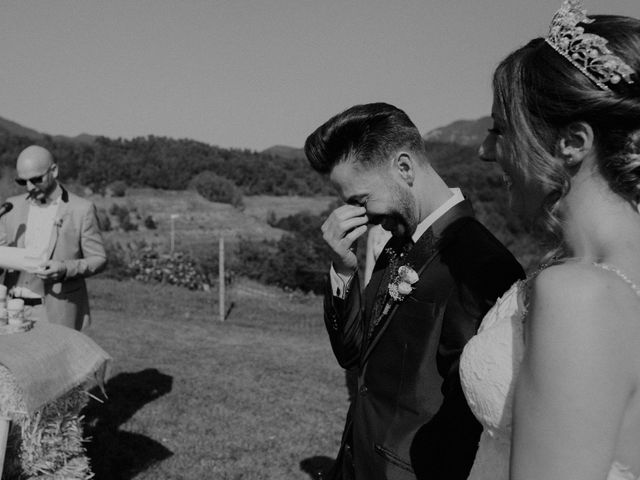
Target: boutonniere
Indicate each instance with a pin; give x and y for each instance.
(57, 223)
(400, 286)
(402, 283)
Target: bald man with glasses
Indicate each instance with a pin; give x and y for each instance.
(62, 230)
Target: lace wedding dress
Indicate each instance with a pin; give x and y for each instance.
(488, 367)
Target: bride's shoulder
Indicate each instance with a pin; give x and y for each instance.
(578, 293)
(571, 278)
(583, 314)
(577, 289)
(569, 275)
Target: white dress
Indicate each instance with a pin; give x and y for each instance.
(488, 367)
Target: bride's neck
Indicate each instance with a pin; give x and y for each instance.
(598, 225)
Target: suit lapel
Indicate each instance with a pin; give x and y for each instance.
(372, 287)
(419, 257)
(378, 276)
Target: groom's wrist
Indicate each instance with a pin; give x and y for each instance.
(340, 282)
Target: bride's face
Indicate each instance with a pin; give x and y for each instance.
(525, 196)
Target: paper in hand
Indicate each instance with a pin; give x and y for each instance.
(13, 258)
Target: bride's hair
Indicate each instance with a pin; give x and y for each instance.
(538, 92)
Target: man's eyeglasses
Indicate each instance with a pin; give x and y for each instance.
(33, 180)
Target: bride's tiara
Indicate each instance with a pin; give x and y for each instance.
(586, 51)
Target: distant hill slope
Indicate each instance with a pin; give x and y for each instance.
(171, 164)
(461, 132)
(199, 222)
(13, 128)
(82, 138)
(285, 152)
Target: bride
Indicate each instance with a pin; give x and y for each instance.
(554, 372)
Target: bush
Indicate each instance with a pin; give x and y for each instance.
(216, 188)
(144, 262)
(118, 188)
(176, 269)
(104, 222)
(150, 223)
(298, 261)
(272, 220)
(123, 214)
(118, 259)
(209, 263)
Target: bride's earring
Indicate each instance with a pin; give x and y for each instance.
(570, 161)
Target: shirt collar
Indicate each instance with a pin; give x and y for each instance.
(455, 198)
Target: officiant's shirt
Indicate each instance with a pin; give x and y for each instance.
(40, 221)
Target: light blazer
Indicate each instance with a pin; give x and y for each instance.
(409, 418)
(75, 241)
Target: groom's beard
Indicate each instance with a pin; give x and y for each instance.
(401, 221)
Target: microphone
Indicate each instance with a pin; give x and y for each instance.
(5, 207)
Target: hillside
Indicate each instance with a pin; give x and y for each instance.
(169, 166)
(461, 132)
(13, 128)
(285, 152)
(199, 223)
(7, 127)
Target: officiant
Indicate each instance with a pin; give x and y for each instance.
(62, 230)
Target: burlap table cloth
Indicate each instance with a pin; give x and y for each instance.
(49, 360)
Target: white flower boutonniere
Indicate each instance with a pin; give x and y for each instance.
(402, 284)
(58, 223)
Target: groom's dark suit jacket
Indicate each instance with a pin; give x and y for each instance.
(409, 418)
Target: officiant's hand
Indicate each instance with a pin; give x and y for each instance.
(52, 270)
(341, 229)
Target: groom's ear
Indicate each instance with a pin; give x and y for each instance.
(406, 167)
(575, 143)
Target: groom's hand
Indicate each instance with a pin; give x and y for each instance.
(341, 229)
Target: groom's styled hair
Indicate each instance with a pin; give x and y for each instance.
(367, 134)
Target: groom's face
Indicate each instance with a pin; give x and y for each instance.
(387, 199)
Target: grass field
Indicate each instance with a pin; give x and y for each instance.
(259, 396)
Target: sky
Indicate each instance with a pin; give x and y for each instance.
(255, 73)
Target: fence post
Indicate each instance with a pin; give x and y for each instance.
(173, 231)
(221, 284)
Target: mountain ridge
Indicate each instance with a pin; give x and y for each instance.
(461, 132)
(470, 133)
(14, 128)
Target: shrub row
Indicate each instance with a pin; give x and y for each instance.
(145, 263)
(298, 261)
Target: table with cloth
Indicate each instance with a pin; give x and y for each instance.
(44, 374)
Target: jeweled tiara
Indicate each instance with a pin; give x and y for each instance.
(586, 51)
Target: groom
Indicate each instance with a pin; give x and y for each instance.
(405, 332)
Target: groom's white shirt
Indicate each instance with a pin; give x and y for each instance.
(340, 283)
